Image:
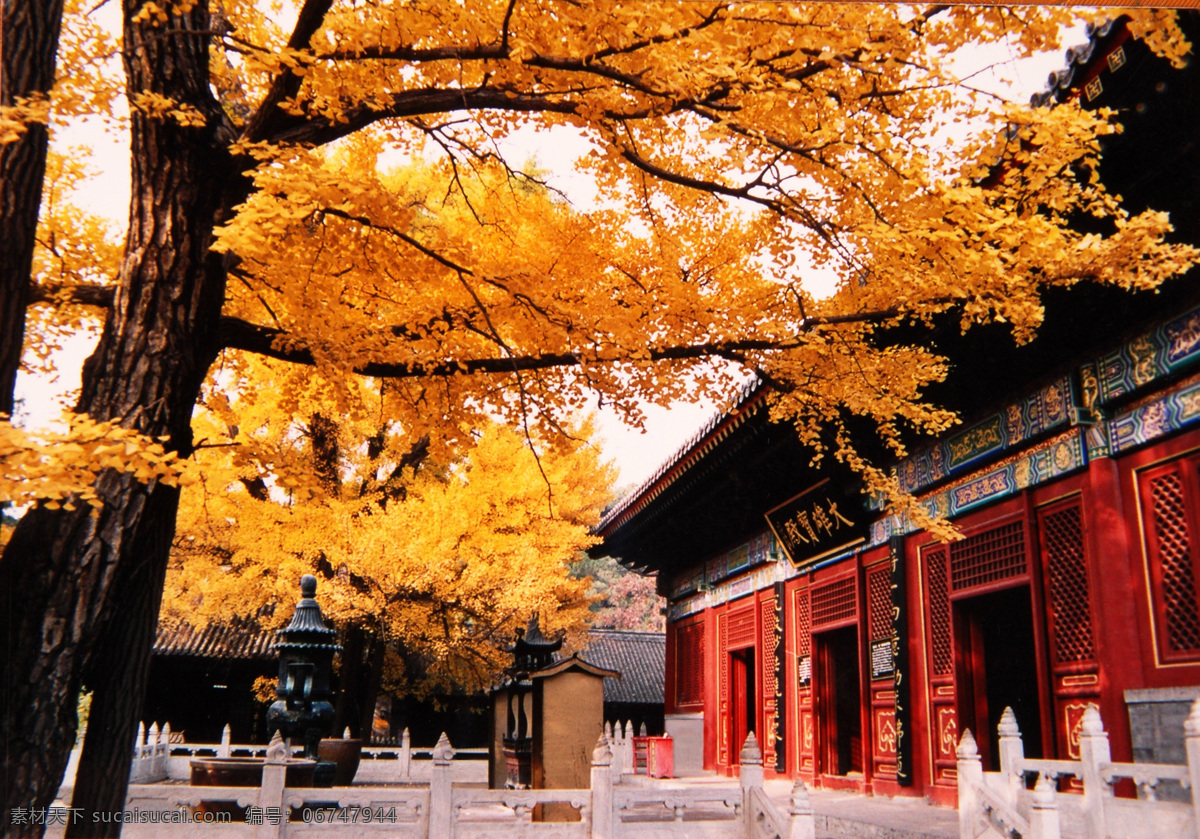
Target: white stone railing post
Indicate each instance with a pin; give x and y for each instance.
(405, 761)
(630, 749)
(1012, 757)
(970, 777)
(162, 752)
(139, 749)
(1094, 753)
(619, 747)
(801, 824)
(602, 790)
(750, 776)
(226, 739)
(151, 742)
(615, 747)
(1043, 812)
(150, 752)
(1191, 744)
(441, 793)
(270, 794)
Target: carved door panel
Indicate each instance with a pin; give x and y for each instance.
(943, 719)
(1075, 672)
(805, 735)
(882, 672)
(768, 680)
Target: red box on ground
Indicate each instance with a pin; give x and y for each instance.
(660, 757)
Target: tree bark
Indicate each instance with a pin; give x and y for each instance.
(374, 674)
(29, 31)
(58, 571)
(117, 677)
(349, 678)
(323, 434)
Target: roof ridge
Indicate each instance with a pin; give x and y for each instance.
(650, 632)
(744, 394)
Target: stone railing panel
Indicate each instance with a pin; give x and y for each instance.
(764, 820)
(487, 814)
(1127, 817)
(1000, 803)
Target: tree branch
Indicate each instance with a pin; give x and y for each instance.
(82, 294)
(237, 334)
(287, 84)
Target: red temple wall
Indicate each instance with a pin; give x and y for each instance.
(1076, 551)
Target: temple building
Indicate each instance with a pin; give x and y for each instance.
(859, 649)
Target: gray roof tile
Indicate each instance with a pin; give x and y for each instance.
(640, 657)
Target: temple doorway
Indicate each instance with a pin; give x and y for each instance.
(996, 658)
(839, 702)
(744, 701)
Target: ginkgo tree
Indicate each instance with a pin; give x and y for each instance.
(735, 147)
(433, 564)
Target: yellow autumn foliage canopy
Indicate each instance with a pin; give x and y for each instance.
(439, 561)
(370, 221)
(737, 149)
(59, 468)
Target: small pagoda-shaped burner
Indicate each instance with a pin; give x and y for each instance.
(532, 651)
(548, 713)
(306, 647)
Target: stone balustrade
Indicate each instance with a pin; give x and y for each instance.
(443, 809)
(1023, 798)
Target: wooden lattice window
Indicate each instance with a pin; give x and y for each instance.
(770, 642)
(941, 651)
(689, 664)
(879, 602)
(803, 639)
(741, 630)
(834, 602)
(803, 625)
(770, 682)
(1061, 530)
(1169, 497)
(988, 557)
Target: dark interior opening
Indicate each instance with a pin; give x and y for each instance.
(840, 693)
(998, 669)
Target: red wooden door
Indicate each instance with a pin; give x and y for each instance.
(743, 699)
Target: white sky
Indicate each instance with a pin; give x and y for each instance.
(636, 453)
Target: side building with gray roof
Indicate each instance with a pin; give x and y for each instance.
(640, 658)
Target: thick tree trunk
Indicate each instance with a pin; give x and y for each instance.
(366, 713)
(117, 676)
(349, 679)
(358, 682)
(58, 571)
(29, 32)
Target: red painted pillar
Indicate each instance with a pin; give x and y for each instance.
(1118, 624)
(712, 688)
